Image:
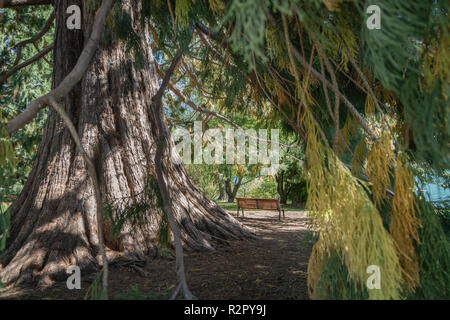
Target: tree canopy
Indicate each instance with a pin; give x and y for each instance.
(369, 107)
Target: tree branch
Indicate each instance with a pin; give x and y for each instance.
(71, 79)
(335, 89)
(38, 36)
(191, 104)
(23, 3)
(16, 68)
(212, 34)
(44, 57)
(319, 76)
(163, 187)
(215, 36)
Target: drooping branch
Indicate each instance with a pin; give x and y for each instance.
(288, 119)
(35, 38)
(163, 187)
(372, 94)
(23, 3)
(364, 177)
(41, 53)
(26, 63)
(319, 76)
(253, 76)
(202, 91)
(335, 88)
(44, 57)
(212, 34)
(71, 79)
(157, 98)
(191, 104)
(322, 77)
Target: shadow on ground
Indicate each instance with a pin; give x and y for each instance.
(274, 266)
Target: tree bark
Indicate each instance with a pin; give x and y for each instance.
(282, 189)
(232, 192)
(53, 221)
(221, 185)
(222, 195)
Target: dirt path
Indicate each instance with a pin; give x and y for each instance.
(271, 267)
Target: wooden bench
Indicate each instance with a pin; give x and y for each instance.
(263, 204)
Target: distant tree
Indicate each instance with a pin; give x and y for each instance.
(264, 187)
(290, 174)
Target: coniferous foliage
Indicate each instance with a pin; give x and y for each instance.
(370, 105)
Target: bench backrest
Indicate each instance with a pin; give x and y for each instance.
(263, 204)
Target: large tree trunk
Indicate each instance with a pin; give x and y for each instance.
(53, 221)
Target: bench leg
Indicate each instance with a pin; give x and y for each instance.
(279, 215)
(237, 213)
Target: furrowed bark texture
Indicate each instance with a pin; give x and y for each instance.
(53, 222)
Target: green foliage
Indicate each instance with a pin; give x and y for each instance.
(298, 193)
(132, 211)
(406, 61)
(133, 293)
(443, 212)
(265, 187)
(409, 55)
(95, 290)
(175, 25)
(123, 30)
(213, 69)
(206, 177)
(249, 21)
(335, 283)
(427, 112)
(393, 49)
(4, 226)
(249, 28)
(291, 173)
(17, 153)
(19, 90)
(434, 255)
(7, 157)
(132, 214)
